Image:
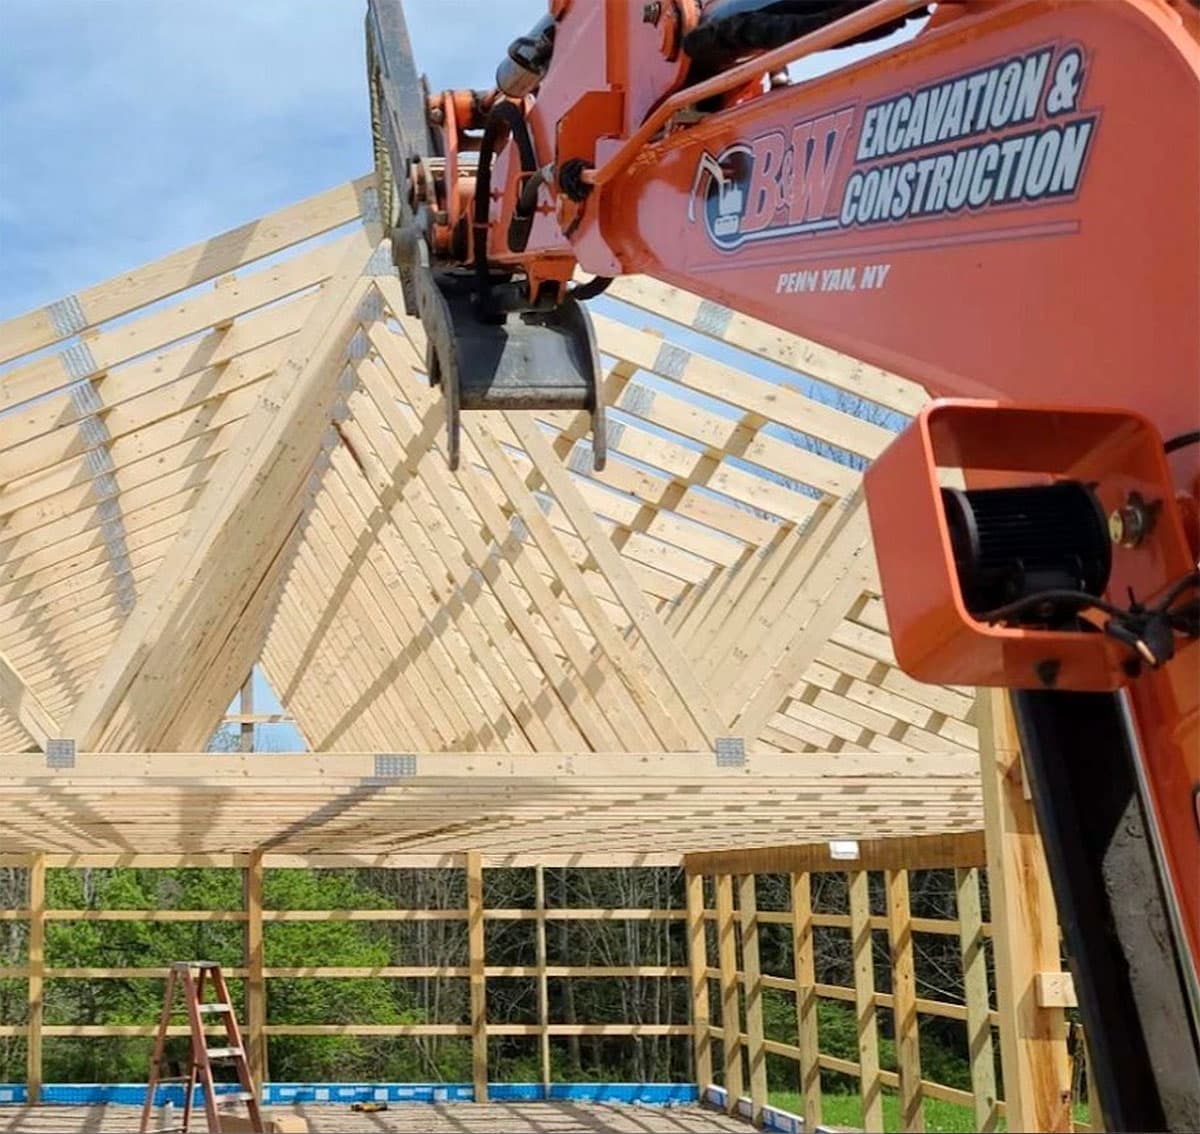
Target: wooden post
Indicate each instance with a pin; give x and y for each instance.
(37, 967)
(247, 708)
(475, 954)
(864, 1002)
(698, 972)
(804, 970)
(731, 1024)
(1025, 932)
(256, 988)
(543, 993)
(752, 970)
(904, 1001)
(975, 984)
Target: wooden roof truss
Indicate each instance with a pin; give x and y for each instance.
(233, 455)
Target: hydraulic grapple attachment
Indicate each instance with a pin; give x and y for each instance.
(490, 344)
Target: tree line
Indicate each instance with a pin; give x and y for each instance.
(358, 944)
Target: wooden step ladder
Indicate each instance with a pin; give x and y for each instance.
(192, 977)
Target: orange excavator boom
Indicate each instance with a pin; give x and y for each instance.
(1003, 207)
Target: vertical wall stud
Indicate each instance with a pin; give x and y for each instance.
(37, 968)
(804, 970)
(256, 988)
(543, 990)
(975, 985)
(864, 1002)
(731, 1024)
(475, 953)
(698, 970)
(1025, 932)
(752, 970)
(904, 1001)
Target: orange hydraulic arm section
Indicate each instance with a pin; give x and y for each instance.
(1005, 208)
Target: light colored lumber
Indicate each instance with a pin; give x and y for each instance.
(543, 991)
(673, 663)
(867, 1027)
(922, 852)
(475, 953)
(1025, 932)
(255, 986)
(805, 978)
(731, 1028)
(36, 950)
(751, 967)
(975, 993)
(904, 1000)
(255, 479)
(23, 705)
(190, 266)
(697, 945)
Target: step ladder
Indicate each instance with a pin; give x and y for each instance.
(192, 978)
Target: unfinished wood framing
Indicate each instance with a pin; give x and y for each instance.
(698, 982)
(256, 986)
(756, 1055)
(523, 662)
(1026, 939)
(731, 1015)
(904, 1000)
(713, 581)
(738, 932)
(975, 984)
(475, 956)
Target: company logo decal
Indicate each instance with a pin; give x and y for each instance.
(1007, 134)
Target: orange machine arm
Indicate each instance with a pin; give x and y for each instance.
(1006, 207)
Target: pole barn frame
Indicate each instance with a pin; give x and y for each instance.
(231, 457)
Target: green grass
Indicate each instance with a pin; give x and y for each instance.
(846, 1110)
(940, 1117)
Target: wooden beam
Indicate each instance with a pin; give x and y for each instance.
(37, 965)
(697, 945)
(831, 567)
(904, 1001)
(176, 625)
(1025, 932)
(23, 705)
(183, 269)
(476, 959)
(543, 991)
(804, 973)
(919, 852)
(731, 1022)
(612, 566)
(246, 729)
(753, 983)
(975, 992)
(870, 1084)
(256, 987)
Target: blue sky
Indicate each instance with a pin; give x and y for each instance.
(129, 128)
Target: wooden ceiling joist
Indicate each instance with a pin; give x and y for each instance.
(215, 460)
(497, 803)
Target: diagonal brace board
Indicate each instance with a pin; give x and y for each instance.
(238, 525)
(21, 703)
(613, 567)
